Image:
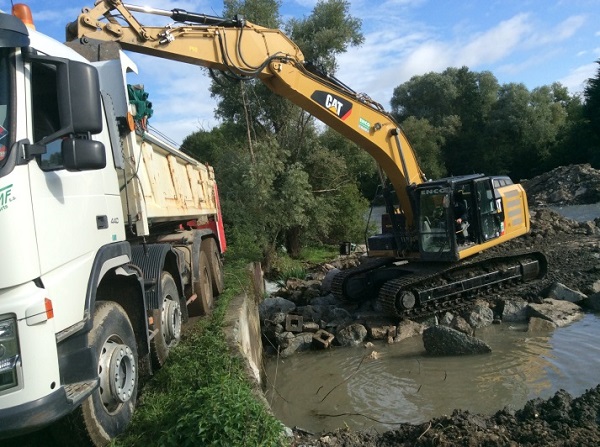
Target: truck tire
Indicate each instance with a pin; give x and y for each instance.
(167, 320)
(203, 303)
(215, 265)
(108, 410)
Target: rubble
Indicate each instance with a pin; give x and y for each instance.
(565, 185)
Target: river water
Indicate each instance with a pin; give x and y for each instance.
(324, 390)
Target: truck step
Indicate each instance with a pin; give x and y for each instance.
(78, 391)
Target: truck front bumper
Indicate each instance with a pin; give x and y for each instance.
(34, 415)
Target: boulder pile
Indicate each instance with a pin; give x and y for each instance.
(310, 317)
(565, 185)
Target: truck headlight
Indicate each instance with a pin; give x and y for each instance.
(9, 353)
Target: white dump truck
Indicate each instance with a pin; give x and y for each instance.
(110, 237)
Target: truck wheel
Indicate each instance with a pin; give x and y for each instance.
(167, 320)
(108, 410)
(215, 265)
(203, 303)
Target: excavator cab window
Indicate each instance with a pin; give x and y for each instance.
(490, 220)
(434, 218)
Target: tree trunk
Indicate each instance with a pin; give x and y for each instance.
(292, 241)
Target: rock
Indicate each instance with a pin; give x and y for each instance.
(374, 355)
(326, 284)
(430, 320)
(352, 335)
(514, 311)
(326, 300)
(270, 306)
(480, 316)
(284, 338)
(561, 313)
(300, 342)
(310, 294)
(310, 326)
(381, 332)
(442, 340)
(461, 325)
(446, 319)
(561, 292)
(314, 312)
(407, 329)
(540, 325)
(277, 318)
(593, 302)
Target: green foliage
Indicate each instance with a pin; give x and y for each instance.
(202, 396)
(327, 32)
(591, 109)
(474, 124)
(427, 142)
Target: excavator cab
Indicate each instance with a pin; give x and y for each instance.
(457, 214)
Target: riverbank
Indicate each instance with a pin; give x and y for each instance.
(573, 252)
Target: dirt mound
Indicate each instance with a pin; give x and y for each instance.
(558, 421)
(565, 185)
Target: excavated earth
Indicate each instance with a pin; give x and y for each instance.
(573, 252)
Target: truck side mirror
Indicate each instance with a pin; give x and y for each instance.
(82, 155)
(78, 96)
(79, 103)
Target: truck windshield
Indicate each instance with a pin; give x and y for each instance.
(433, 221)
(4, 105)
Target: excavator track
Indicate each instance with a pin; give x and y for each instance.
(414, 293)
(343, 289)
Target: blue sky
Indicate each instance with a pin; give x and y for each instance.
(534, 42)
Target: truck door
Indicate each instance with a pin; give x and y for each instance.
(70, 208)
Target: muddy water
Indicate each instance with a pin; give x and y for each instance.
(343, 386)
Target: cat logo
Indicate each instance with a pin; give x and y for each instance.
(336, 105)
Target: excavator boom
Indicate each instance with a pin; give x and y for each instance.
(244, 50)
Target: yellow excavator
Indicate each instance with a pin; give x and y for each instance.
(423, 261)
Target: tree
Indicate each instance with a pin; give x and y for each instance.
(427, 142)
(327, 32)
(591, 108)
(279, 184)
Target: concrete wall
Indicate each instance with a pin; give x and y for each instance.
(242, 326)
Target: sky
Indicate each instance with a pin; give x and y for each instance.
(534, 42)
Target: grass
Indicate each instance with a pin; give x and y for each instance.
(201, 397)
(285, 267)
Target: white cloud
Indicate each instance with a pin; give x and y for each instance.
(496, 43)
(561, 32)
(577, 77)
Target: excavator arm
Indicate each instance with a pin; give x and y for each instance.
(244, 50)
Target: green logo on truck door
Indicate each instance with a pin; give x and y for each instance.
(6, 196)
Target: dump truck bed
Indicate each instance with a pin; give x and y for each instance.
(164, 184)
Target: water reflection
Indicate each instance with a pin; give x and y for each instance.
(325, 390)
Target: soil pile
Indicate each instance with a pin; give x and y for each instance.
(565, 185)
(558, 421)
